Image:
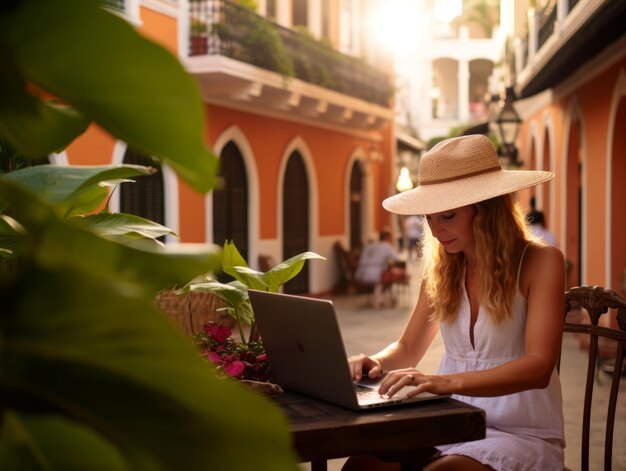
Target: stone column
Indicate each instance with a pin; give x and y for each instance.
(463, 91)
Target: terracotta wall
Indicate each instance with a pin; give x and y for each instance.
(329, 150)
(594, 99)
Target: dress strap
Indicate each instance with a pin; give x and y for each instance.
(519, 268)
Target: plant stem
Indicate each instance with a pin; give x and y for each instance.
(240, 325)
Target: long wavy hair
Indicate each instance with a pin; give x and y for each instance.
(500, 233)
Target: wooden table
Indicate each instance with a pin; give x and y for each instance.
(323, 431)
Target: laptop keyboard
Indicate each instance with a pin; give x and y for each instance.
(365, 392)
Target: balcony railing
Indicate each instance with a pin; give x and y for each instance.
(222, 27)
(546, 23)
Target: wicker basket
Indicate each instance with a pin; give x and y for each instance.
(190, 311)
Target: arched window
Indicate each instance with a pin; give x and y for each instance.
(296, 220)
(144, 197)
(356, 206)
(230, 201)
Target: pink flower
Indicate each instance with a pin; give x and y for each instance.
(261, 357)
(235, 368)
(218, 332)
(215, 358)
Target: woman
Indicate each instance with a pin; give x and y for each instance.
(496, 293)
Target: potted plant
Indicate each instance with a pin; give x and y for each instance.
(199, 37)
(243, 357)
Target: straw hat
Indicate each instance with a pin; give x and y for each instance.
(458, 172)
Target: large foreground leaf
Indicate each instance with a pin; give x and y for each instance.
(119, 224)
(54, 243)
(74, 347)
(74, 189)
(49, 441)
(88, 364)
(130, 86)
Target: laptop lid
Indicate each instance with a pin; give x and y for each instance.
(306, 352)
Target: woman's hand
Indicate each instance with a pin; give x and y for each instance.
(360, 364)
(398, 379)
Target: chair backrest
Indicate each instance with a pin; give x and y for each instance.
(266, 262)
(346, 268)
(597, 301)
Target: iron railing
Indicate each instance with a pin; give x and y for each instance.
(222, 27)
(546, 24)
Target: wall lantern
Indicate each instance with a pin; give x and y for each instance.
(404, 181)
(508, 123)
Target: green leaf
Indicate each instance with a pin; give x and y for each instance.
(55, 127)
(234, 265)
(130, 86)
(74, 189)
(234, 293)
(56, 242)
(286, 270)
(110, 361)
(120, 224)
(11, 237)
(231, 258)
(23, 116)
(32, 441)
(251, 278)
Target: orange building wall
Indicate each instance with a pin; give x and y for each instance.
(330, 152)
(93, 147)
(159, 28)
(268, 138)
(594, 98)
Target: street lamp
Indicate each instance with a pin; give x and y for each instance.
(508, 122)
(404, 182)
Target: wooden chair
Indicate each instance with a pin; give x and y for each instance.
(596, 301)
(397, 281)
(347, 265)
(266, 262)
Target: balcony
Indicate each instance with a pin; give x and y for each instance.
(244, 60)
(564, 36)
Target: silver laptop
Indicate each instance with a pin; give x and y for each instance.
(306, 353)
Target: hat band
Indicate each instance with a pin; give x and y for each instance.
(461, 177)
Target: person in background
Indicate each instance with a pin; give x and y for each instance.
(538, 227)
(374, 260)
(413, 226)
(496, 294)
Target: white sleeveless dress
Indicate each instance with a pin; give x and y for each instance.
(524, 430)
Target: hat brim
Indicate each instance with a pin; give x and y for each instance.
(438, 197)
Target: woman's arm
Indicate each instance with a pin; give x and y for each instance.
(542, 282)
(407, 351)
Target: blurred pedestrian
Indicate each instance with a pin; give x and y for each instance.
(374, 261)
(413, 227)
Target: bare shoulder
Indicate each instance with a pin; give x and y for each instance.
(537, 256)
(542, 265)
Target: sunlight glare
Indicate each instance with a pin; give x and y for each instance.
(447, 10)
(394, 24)
(404, 182)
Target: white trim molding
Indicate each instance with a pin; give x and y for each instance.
(619, 93)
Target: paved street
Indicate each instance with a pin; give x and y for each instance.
(366, 330)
